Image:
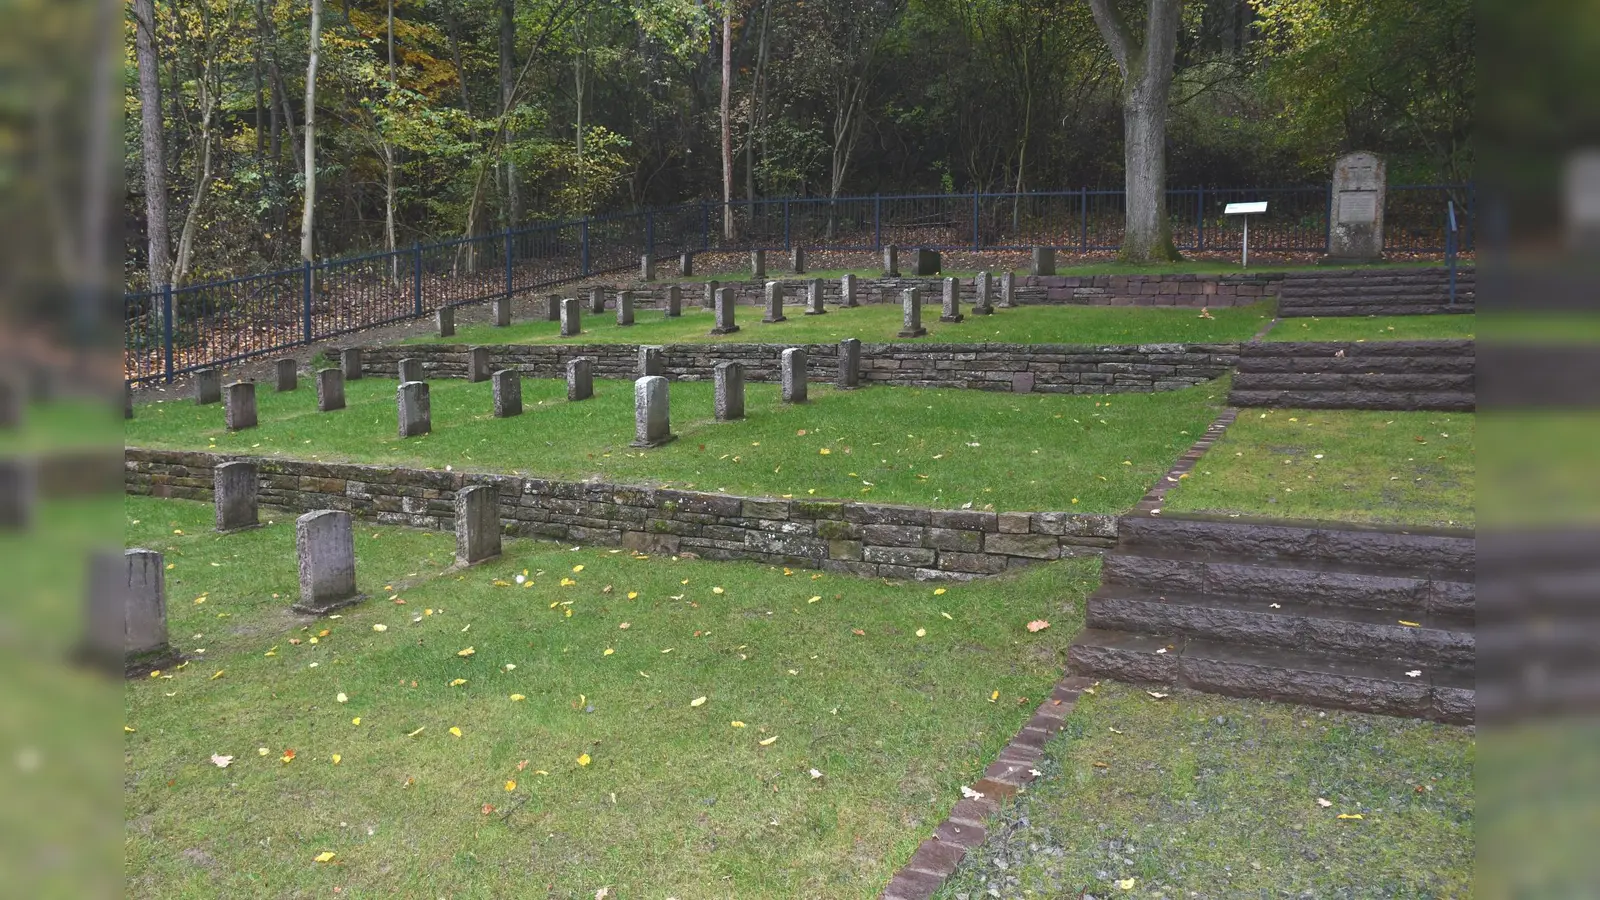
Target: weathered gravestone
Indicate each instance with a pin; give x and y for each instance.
(983, 305)
(552, 308)
(128, 611)
(1008, 290)
(792, 370)
(350, 363)
(477, 364)
(325, 546)
(927, 262)
(445, 318)
(686, 264)
(647, 268)
(891, 261)
(330, 390)
(571, 318)
(911, 313)
(709, 299)
(502, 312)
(236, 489)
(774, 303)
(1359, 188)
(597, 300)
(411, 369)
(477, 524)
(624, 307)
(507, 388)
(849, 364)
(288, 375)
(814, 305)
(239, 412)
(729, 403)
(652, 361)
(674, 303)
(797, 260)
(1044, 261)
(652, 419)
(952, 302)
(847, 291)
(580, 378)
(18, 493)
(758, 265)
(414, 409)
(207, 386)
(725, 303)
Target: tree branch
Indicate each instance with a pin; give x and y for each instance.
(1115, 31)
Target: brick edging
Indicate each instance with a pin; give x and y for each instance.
(1151, 503)
(937, 857)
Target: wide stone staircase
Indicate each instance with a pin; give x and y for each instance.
(1377, 292)
(1355, 375)
(1334, 615)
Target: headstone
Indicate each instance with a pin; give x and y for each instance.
(652, 361)
(729, 378)
(552, 308)
(758, 265)
(507, 388)
(774, 303)
(1008, 290)
(502, 312)
(952, 302)
(927, 262)
(1044, 261)
(142, 612)
(18, 493)
(411, 369)
(891, 261)
(330, 390)
(624, 307)
(446, 320)
(288, 375)
(207, 386)
(849, 364)
(127, 401)
(477, 364)
(415, 409)
(793, 372)
(325, 545)
(797, 260)
(652, 420)
(709, 301)
(477, 524)
(686, 264)
(1359, 188)
(571, 318)
(580, 378)
(814, 305)
(911, 313)
(235, 490)
(350, 363)
(240, 410)
(725, 323)
(674, 302)
(984, 289)
(647, 268)
(847, 291)
(597, 300)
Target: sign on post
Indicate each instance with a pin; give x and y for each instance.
(1245, 209)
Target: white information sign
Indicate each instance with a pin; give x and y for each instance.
(1245, 209)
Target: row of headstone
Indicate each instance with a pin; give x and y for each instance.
(651, 402)
(925, 262)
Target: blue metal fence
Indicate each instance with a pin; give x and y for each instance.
(171, 331)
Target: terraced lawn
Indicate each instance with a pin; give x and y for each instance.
(1377, 328)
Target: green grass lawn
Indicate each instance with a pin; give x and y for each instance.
(605, 773)
(880, 322)
(1376, 328)
(63, 424)
(1200, 796)
(1410, 468)
(935, 448)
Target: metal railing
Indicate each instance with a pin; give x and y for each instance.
(174, 330)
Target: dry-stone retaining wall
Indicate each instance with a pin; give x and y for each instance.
(1022, 368)
(861, 538)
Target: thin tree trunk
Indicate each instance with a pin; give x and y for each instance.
(152, 143)
(309, 209)
(508, 61)
(578, 84)
(191, 219)
(757, 106)
(727, 125)
(389, 163)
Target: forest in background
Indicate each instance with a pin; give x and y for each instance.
(436, 119)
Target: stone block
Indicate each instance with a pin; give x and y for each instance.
(571, 318)
(708, 299)
(507, 388)
(849, 364)
(686, 264)
(477, 364)
(797, 260)
(729, 381)
(134, 602)
(774, 303)
(207, 386)
(1032, 546)
(674, 302)
(502, 311)
(647, 267)
(652, 419)
(597, 300)
(926, 262)
(330, 390)
(814, 305)
(624, 307)
(793, 374)
(413, 408)
(477, 524)
(1044, 261)
(951, 312)
(758, 265)
(1022, 383)
(236, 488)
(891, 261)
(652, 361)
(847, 291)
(580, 376)
(18, 493)
(911, 314)
(410, 369)
(325, 546)
(288, 374)
(724, 306)
(350, 363)
(983, 292)
(239, 412)
(1008, 290)
(445, 320)
(552, 308)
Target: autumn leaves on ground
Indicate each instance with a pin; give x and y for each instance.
(535, 725)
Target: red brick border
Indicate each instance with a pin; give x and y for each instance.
(966, 827)
(1151, 504)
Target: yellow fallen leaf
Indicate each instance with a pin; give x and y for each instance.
(736, 724)
(356, 721)
(814, 599)
(608, 652)
(337, 759)
(824, 451)
(994, 696)
(467, 652)
(418, 731)
(511, 785)
(577, 568)
(698, 701)
(262, 751)
(380, 627)
(217, 674)
(458, 682)
(768, 742)
(948, 616)
(1324, 802)
(1126, 884)
(922, 632)
(517, 698)
(633, 595)
(1410, 624)
(129, 729)
(324, 856)
(938, 591)
(583, 759)
(455, 731)
(1350, 815)
(343, 697)
(716, 590)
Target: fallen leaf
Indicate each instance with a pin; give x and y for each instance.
(583, 759)
(512, 785)
(698, 701)
(716, 590)
(458, 682)
(1410, 624)
(576, 569)
(1126, 884)
(971, 794)
(858, 632)
(768, 742)
(1038, 625)
(517, 698)
(337, 759)
(1157, 695)
(1350, 816)
(948, 616)
(356, 721)
(922, 632)
(217, 674)
(455, 731)
(380, 627)
(736, 724)
(813, 599)
(633, 595)
(467, 652)
(324, 856)
(287, 756)
(1324, 803)
(1414, 673)
(487, 809)
(343, 697)
(938, 591)
(418, 731)
(994, 696)
(221, 762)
(814, 774)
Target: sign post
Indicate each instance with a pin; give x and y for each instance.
(1245, 209)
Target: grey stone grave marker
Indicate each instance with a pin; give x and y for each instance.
(477, 364)
(774, 303)
(952, 302)
(793, 372)
(350, 363)
(1044, 261)
(507, 388)
(674, 305)
(725, 304)
(911, 313)
(445, 318)
(207, 386)
(288, 375)
(414, 408)
(325, 546)
(411, 369)
(758, 265)
(652, 418)
(983, 287)
(239, 412)
(847, 290)
(1359, 188)
(849, 364)
(927, 262)
(729, 378)
(571, 318)
(580, 378)
(624, 307)
(814, 305)
(502, 312)
(235, 489)
(477, 524)
(330, 390)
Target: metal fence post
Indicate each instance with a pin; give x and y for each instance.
(416, 277)
(583, 251)
(508, 262)
(877, 221)
(1083, 218)
(786, 224)
(166, 329)
(975, 241)
(1200, 218)
(306, 293)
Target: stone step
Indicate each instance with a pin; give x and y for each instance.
(1354, 399)
(1436, 640)
(1447, 552)
(1364, 349)
(1353, 381)
(1384, 276)
(1374, 294)
(1294, 676)
(1360, 365)
(1347, 584)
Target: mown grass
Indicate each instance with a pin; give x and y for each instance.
(881, 322)
(63, 424)
(884, 689)
(778, 264)
(1199, 796)
(936, 448)
(1411, 468)
(1376, 328)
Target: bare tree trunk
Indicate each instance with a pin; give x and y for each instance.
(152, 143)
(727, 124)
(578, 86)
(508, 52)
(309, 210)
(191, 219)
(1146, 87)
(389, 163)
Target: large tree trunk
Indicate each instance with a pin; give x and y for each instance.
(309, 209)
(727, 125)
(1146, 85)
(152, 144)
